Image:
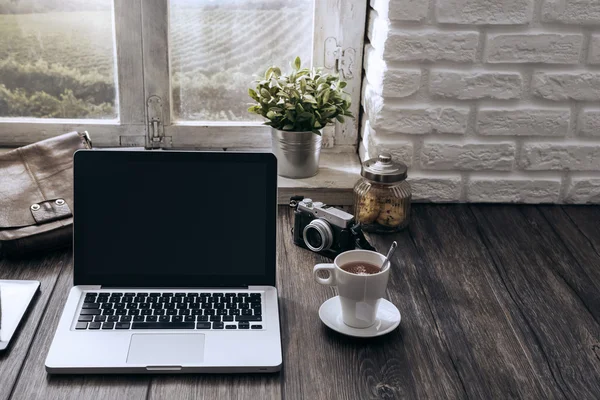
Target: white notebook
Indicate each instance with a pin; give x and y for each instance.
(15, 297)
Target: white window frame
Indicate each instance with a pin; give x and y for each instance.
(143, 70)
(130, 100)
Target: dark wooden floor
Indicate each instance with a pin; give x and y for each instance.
(497, 302)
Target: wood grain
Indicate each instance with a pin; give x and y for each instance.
(155, 34)
(128, 39)
(310, 368)
(237, 386)
(419, 364)
(586, 219)
(332, 185)
(532, 262)
(45, 269)
(35, 383)
(320, 363)
(102, 133)
(583, 242)
(496, 302)
(344, 20)
(476, 318)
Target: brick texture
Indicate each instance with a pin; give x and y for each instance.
(584, 191)
(468, 157)
(558, 156)
(476, 85)
(534, 48)
(414, 119)
(574, 12)
(513, 190)
(589, 123)
(523, 122)
(594, 54)
(390, 82)
(377, 144)
(487, 100)
(559, 86)
(484, 12)
(401, 10)
(431, 46)
(436, 189)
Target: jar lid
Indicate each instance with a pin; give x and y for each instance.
(383, 169)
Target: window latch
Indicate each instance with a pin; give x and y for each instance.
(339, 59)
(156, 138)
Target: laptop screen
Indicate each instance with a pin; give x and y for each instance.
(168, 218)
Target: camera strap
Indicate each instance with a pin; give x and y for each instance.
(294, 200)
(360, 240)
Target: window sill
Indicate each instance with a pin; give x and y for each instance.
(338, 172)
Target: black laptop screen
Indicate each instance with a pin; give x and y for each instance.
(183, 219)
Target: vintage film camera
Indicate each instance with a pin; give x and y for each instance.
(325, 229)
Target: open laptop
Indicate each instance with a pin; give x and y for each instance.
(174, 265)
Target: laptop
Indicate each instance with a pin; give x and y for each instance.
(174, 265)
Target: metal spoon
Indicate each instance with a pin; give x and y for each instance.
(387, 257)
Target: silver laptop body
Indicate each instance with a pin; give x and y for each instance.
(174, 265)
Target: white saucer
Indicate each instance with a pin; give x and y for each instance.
(388, 318)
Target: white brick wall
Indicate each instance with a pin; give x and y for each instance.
(487, 100)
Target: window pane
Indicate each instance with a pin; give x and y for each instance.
(217, 46)
(57, 59)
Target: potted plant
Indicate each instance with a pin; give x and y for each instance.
(298, 106)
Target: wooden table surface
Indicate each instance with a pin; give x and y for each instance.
(497, 302)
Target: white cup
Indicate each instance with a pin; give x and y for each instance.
(359, 294)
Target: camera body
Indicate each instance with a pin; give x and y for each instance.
(324, 229)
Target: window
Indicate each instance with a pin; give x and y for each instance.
(171, 72)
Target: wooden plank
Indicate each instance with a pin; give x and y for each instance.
(582, 239)
(353, 19)
(424, 367)
(45, 269)
(198, 387)
(103, 133)
(587, 219)
(476, 317)
(410, 362)
(219, 136)
(333, 184)
(344, 20)
(564, 334)
(128, 33)
(35, 383)
(155, 38)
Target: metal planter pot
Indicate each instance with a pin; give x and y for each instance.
(297, 153)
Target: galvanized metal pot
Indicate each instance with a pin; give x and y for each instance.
(297, 153)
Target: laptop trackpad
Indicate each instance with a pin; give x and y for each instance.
(158, 349)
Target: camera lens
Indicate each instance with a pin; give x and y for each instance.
(313, 237)
(318, 235)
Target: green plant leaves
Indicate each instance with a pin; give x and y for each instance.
(253, 94)
(306, 99)
(265, 93)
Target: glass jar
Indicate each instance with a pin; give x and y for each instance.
(382, 196)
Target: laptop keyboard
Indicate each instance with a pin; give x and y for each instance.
(170, 310)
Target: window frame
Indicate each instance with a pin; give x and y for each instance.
(345, 22)
(131, 120)
(141, 37)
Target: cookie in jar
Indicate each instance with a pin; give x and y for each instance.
(382, 196)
